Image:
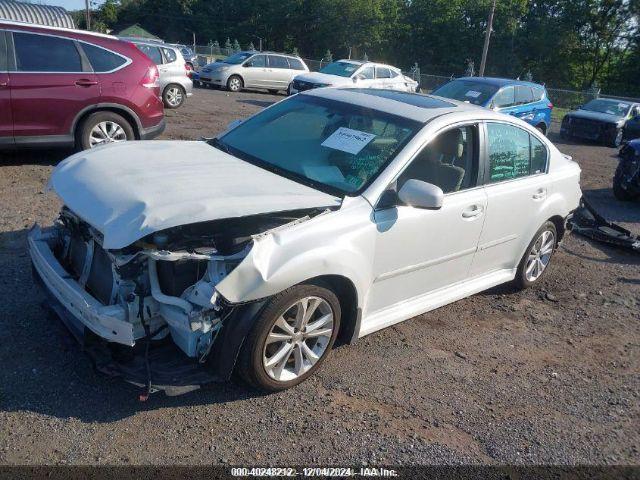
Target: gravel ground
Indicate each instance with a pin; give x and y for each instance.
(549, 375)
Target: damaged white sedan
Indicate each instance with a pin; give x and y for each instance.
(334, 213)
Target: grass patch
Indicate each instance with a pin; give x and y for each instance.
(557, 114)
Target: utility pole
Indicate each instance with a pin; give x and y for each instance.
(194, 42)
(487, 36)
(87, 15)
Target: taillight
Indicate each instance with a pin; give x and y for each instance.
(150, 80)
(550, 105)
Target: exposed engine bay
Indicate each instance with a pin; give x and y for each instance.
(166, 281)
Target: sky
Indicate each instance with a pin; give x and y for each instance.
(69, 4)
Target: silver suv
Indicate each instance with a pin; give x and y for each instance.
(175, 85)
(266, 70)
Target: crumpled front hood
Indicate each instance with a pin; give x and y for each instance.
(600, 117)
(131, 189)
(324, 78)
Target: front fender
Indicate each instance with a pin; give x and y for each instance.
(321, 246)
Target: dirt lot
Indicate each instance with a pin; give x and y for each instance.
(549, 375)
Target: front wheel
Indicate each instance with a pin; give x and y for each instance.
(234, 84)
(173, 96)
(537, 256)
(618, 190)
(101, 128)
(616, 138)
(291, 338)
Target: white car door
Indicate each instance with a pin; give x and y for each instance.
(279, 72)
(383, 77)
(517, 187)
(419, 251)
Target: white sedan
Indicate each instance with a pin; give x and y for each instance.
(333, 212)
(353, 73)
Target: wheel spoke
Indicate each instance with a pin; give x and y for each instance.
(321, 322)
(284, 352)
(278, 337)
(311, 308)
(530, 267)
(301, 312)
(298, 367)
(309, 354)
(284, 325)
(325, 332)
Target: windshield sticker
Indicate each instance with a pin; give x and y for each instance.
(623, 105)
(350, 69)
(472, 94)
(348, 140)
(610, 112)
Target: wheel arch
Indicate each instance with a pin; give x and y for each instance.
(125, 112)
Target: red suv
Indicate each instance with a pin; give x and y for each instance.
(69, 87)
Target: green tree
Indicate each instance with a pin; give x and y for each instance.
(236, 46)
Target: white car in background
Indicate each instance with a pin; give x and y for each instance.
(333, 212)
(353, 73)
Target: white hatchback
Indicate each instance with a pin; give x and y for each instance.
(333, 212)
(353, 73)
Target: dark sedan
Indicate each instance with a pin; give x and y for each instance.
(605, 120)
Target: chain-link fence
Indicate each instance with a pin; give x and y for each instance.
(561, 98)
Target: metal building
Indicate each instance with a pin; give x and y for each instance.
(34, 13)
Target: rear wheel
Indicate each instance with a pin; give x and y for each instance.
(101, 128)
(542, 128)
(173, 96)
(537, 256)
(291, 338)
(234, 84)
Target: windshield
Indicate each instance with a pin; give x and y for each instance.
(477, 93)
(237, 58)
(342, 69)
(332, 146)
(186, 52)
(612, 107)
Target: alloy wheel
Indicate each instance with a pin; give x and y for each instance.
(540, 255)
(174, 96)
(298, 339)
(106, 132)
(234, 84)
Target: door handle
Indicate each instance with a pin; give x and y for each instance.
(473, 211)
(86, 83)
(540, 194)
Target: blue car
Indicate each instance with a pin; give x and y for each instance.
(525, 100)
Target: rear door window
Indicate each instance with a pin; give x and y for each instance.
(152, 52)
(44, 53)
(513, 153)
(3, 52)
(102, 60)
(276, 61)
(169, 55)
(367, 73)
(504, 98)
(295, 64)
(523, 95)
(383, 72)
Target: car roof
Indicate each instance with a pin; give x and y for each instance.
(47, 28)
(414, 106)
(499, 82)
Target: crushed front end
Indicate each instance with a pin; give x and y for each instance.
(149, 312)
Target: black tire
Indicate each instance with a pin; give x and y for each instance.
(235, 83)
(542, 128)
(250, 366)
(521, 281)
(619, 192)
(273, 92)
(615, 140)
(289, 90)
(176, 89)
(83, 135)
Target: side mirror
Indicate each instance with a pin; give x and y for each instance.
(419, 194)
(234, 124)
